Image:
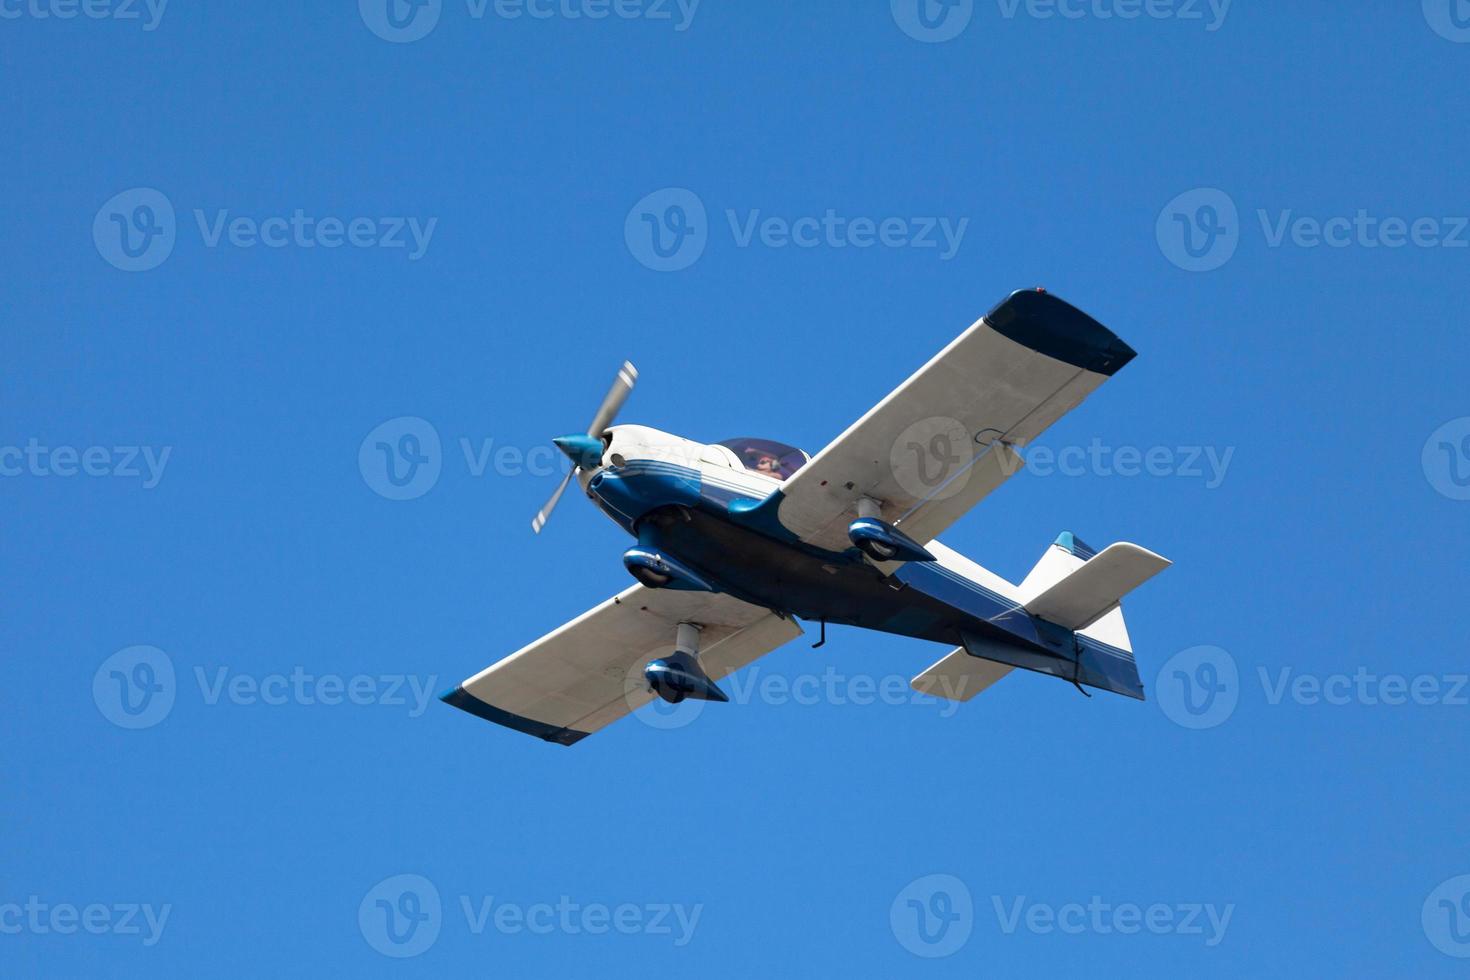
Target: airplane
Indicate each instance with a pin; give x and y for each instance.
(737, 541)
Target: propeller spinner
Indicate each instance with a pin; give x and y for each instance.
(585, 451)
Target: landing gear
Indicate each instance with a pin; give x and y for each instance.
(686, 638)
(679, 675)
(880, 540)
(657, 570)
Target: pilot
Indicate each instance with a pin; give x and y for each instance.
(763, 462)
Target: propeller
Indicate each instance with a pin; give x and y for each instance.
(585, 451)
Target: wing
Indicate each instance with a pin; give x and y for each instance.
(589, 673)
(944, 439)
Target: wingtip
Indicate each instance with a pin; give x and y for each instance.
(458, 697)
(1050, 325)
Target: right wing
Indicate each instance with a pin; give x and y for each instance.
(943, 439)
(589, 673)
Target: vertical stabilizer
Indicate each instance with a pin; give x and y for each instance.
(1064, 557)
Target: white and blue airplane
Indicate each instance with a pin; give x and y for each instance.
(738, 540)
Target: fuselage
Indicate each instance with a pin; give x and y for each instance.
(697, 503)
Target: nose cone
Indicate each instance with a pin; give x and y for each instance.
(584, 450)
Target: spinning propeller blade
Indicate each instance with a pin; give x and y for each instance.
(611, 404)
(539, 521)
(616, 395)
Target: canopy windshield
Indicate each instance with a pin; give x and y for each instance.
(767, 456)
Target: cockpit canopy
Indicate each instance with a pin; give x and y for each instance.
(767, 456)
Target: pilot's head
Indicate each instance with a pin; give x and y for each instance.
(765, 463)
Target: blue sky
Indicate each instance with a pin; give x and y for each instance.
(1265, 200)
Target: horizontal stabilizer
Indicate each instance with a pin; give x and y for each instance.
(959, 676)
(1088, 593)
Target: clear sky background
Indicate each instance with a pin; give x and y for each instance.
(1331, 834)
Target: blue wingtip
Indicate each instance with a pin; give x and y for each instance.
(458, 697)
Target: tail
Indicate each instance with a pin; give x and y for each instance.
(1080, 589)
(1072, 626)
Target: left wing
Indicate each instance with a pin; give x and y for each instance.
(943, 439)
(589, 673)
